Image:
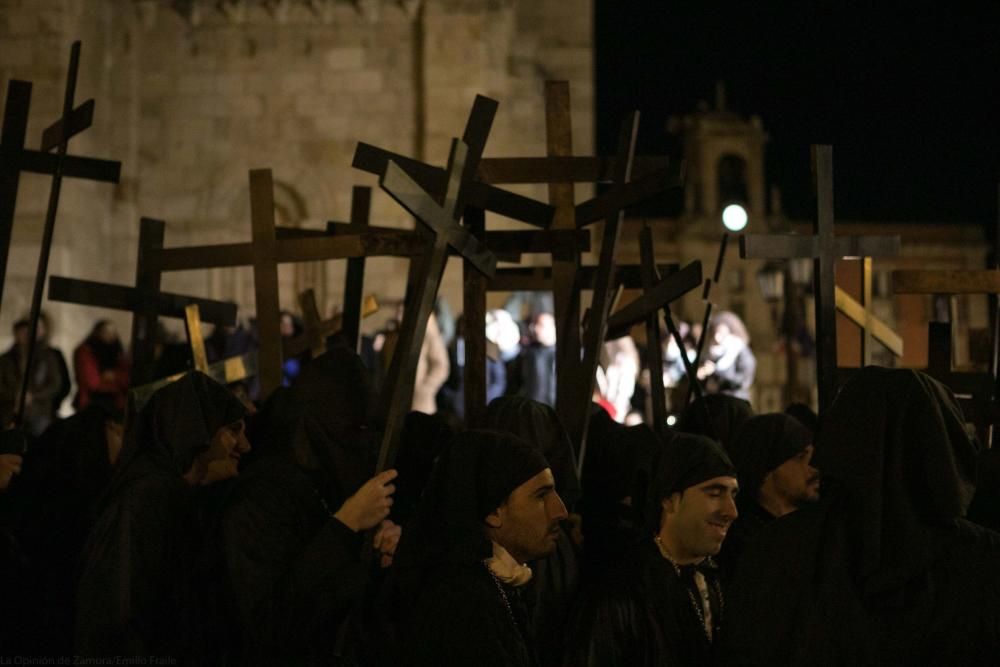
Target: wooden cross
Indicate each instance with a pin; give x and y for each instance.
(824, 248)
(316, 330)
(560, 169)
(225, 372)
(266, 250)
(15, 158)
(57, 136)
(507, 245)
(440, 217)
(611, 206)
(144, 301)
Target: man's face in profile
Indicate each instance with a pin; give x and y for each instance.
(527, 524)
(795, 482)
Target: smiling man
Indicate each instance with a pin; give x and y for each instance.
(663, 605)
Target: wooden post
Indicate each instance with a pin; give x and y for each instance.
(147, 284)
(475, 328)
(354, 282)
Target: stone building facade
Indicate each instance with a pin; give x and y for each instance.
(191, 95)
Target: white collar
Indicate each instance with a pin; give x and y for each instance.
(506, 569)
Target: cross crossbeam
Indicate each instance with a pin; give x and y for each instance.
(121, 297)
(658, 295)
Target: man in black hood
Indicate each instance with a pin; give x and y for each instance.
(293, 528)
(490, 507)
(663, 604)
(773, 456)
(718, 416)
(884, 569)
(139, 593)
(556, 577)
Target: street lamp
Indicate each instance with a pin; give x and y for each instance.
(734, 217)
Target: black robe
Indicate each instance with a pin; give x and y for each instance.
(884, 570)
(139, 591)
(445, 604)
(642, 615)
(66, 471)
(296, 573)
(751, 521)
(618, 466)
(480, 630)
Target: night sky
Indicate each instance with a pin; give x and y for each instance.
(907, 100)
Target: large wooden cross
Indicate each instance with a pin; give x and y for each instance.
(15, 158)
(560, 169)
(609, 206)
(506, 245)
(145, 301)
(57, 136)
(441, 219)
(824, 248)
(266, 250)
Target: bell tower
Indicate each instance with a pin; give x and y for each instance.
(724, 162)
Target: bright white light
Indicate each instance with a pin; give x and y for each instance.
(671, 420)
(734, 217)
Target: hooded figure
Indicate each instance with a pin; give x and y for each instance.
(718, 416)
(66, 471)
(616, 474)
(138, 592)
(557, 577)
(655, 608)
(295, 568)
(424, 437)
(884, 569)
(460, 594)
(772, 454)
